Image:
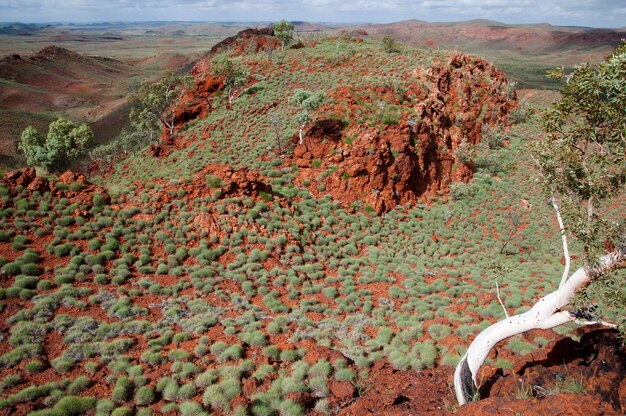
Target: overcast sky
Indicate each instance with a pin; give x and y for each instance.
(595, 13)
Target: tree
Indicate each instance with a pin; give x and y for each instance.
(581, 164)
(277, 125)
(284, 30)
(64, 143)
(307, 102)
(155, 104)
(234, 74)
(390, 45)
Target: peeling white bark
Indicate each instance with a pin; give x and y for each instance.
(547, 313)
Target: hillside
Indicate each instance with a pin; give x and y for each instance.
(233, 270)
(524, 52)
(35, 89)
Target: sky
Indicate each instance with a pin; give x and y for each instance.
(592, 13)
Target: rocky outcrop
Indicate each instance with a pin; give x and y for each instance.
(70, 185)
(246, 38)
(415, 155)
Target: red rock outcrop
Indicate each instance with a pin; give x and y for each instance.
(248, 40)
(27, 178)
(414, 157)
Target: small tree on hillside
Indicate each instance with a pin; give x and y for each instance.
(390, 45)
(234, 74)
(307, 102)
(155, 104)
(582, 163)
(64, 143)
(284, 31)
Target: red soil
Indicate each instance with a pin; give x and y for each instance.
(531, 387)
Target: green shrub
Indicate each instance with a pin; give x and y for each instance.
(19, 242)
(122, 411)
(145, 396)
(104, 407)
(186, 391)
(344, 374)
(213, 181)
(123, 390)
(191, 409)
(34, 367)
(80, 384)
(12, 269)
(69, 406)
(11, 380)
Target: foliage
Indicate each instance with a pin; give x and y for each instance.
(64, 143)
(390, 45)
(155, 104)
(235, 75)
(583, 158)
(284, 31)
(307, 102)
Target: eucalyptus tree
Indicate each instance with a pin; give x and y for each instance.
(307, 102)
(284, 31)
(234, 75)
(581, 165)
(154, 105)
(64, 142)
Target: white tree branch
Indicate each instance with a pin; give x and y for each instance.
(603, 323)
(506, 313)
(548, 312)
(557, 211)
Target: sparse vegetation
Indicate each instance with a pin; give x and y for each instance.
(221, 278)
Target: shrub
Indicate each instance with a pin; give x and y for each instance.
(145, 396)
(231, 353)
(69, 406)
(191, 409)
(206, 378)
(62, 363)
(213, 181)
(122, 390)
(34, 367)
(104, 407)
(11, 380)
(19, 242)
(80, 384)
(390, 45)
(98, 200)
(344, 374)
(12, 269)
(122, 411)
(30, 269)
(186, 391)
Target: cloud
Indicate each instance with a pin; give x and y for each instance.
(581, 12)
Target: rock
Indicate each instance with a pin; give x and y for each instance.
(69, 177)
(341, 390)
(39, 184)
(28, 179)
(245, 181)
(553, 405)
(381, 168)
(21, 177)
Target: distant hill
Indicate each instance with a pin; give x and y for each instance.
(36, 89)
(524, 51)
(18, 28)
